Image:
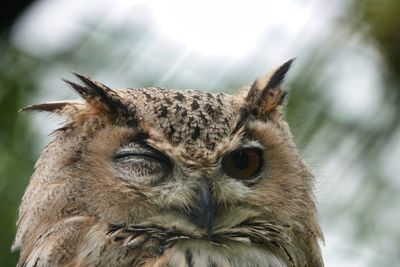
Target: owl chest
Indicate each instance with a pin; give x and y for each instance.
(203, 254)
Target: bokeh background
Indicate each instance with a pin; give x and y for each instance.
(344, 104)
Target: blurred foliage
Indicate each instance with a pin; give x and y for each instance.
(16, 140)
(8, 15)
(383, 18)
(110, 52)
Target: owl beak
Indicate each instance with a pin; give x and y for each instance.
(206, 208)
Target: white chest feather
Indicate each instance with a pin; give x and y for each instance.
(203, 254)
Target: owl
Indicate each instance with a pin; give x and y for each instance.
(157, 177)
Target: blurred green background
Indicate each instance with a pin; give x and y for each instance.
(344, 104)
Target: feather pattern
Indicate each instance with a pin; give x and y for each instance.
(110, 191)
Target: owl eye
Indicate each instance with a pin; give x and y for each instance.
(243, 163)
(142, 165)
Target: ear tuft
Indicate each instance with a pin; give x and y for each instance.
(103, 99)
(266, 94)
(97, 94)
(278, 76)
(57, 107)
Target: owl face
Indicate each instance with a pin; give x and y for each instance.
(205, 168)
(185, 158)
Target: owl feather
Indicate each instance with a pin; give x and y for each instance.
(159, 177)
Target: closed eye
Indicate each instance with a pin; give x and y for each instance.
(149, 153)
(142, 164)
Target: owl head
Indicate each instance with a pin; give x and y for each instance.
(201, 167)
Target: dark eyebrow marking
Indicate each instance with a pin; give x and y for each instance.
(242, 119)
(140, 137)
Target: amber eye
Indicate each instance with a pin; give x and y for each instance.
(243, 163)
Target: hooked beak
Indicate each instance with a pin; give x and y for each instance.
(205, 210)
